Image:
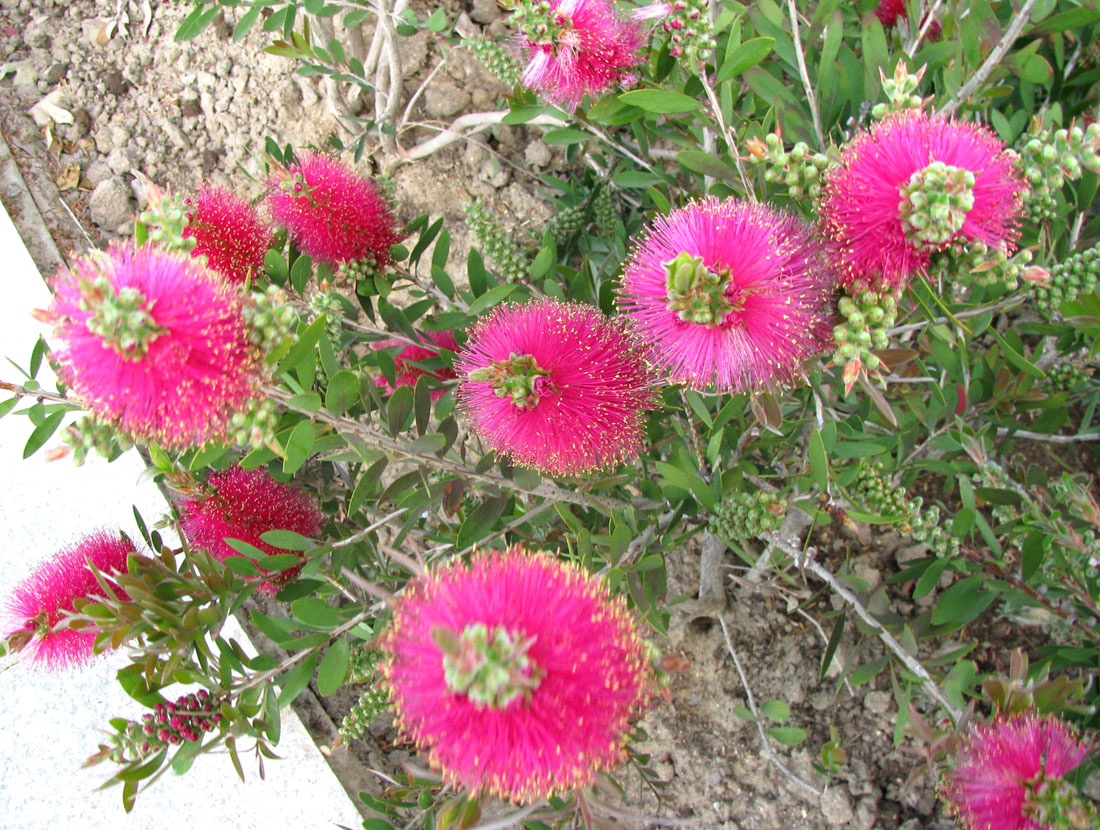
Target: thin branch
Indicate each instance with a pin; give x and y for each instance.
(40, 395)
(731, 147)
(927, 21)
(986, 69)
(811, 98)
(806, 562)
(658, 821)
(510, 820)
(355, 537)
(1050, 439)
(756, 714)
(467, 125)
(1000, 305)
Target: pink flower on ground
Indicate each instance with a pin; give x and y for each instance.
(245, 504)
(154, 343)
(42, 600)
(577, 48)
(407, 374)
(515, 674)
(909, 187)
(229, 233)
(729, 295)
(332, 213)
(556, 386)
(888, 12)
(1001, 763)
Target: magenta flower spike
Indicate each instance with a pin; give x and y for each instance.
(515, 674)
(332, 213)
(1001, 765)
(728, 295)
(245, 504)
(557, 387)
(154, 343)
(229, 233)
(576, 48)
(41, 601)
(911, 186)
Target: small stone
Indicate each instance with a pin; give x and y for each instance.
(97, 172)
(836, 807)
(877, 702)
(209, 162)
(121, 161)
(174, 133)
(485, 11)
(494, 173)
(81, 126)
(866, 814)
(445, 100)
(190, 107)
(120, 137)
(115, 83)
(537, 154)
(110, 204)
(56, 72)
(221, 28)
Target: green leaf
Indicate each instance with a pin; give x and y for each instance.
(830, 648)
(706, 163)
(313, 611)
(1071, 19)
(295, 680)
(543, 262)
(334, 668)
(1034, 551)
(398, 409)
(959, 600)
(287, 540)
(867, 671)
(788, 735)
(565, 135)
(635, 179)
(309, 401)
(342, 392)
(1015, 358)
(746, 56)
(300, 272)
(298, 447)
(776, 710)
(480, 521)
(490, 298)
(659, 101)
(819, 462)
(248, 19)
(195, 22)
(303, 347)
(42, 433)
(422, 404)
(242, 566)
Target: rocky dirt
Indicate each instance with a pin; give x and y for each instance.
(135, 107)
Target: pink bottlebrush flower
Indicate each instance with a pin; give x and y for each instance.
(1000, 765)
(728, 294)
(909, 187)
(245, 504)
(332, 213)
(888, 12)
(229, 233)
(407, 374)
(556, 386)
(155, 344)
(515, 674)
(577, 48)
(41, 601)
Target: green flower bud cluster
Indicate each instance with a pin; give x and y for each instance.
(872, 489)
(497, 243)
(90, 434)
(497, 58)
(363, 664)
(1047, 158)
(1067, 377)
(901, 91)
(271, 319)
(165, 220)
(985, 265)
(357, 271)
(566, 222)
(800, 170)
(1058, 803)
(742, 514)
(691, 37)
(935, 202)
(868, 317)
(254, 426)
(1075, 275)
(603, 208)
(364, 712)
(328, 303)
(119, 318)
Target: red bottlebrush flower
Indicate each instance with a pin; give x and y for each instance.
(245, 504)
(332, 213)
(557, 386)
(909, 187)
(42, 600)
(1001, 764)
(728, 294)
(229, 233)
(577, 48)
(516, 674)
(888, 12)
(154, 343)
(407, 374)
